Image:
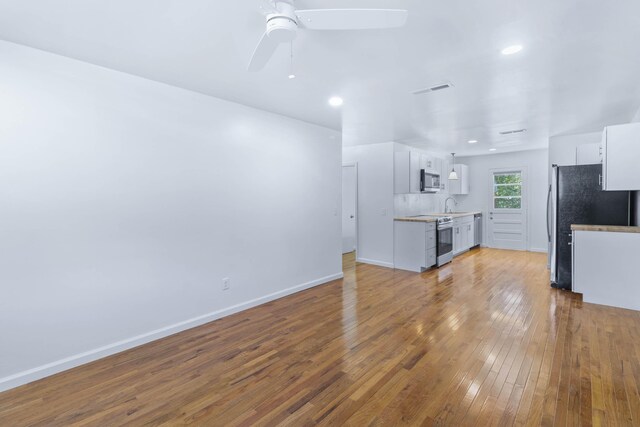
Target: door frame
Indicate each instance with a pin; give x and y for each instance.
(525, 201)
(355, 165)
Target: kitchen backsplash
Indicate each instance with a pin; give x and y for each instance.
(418, 204)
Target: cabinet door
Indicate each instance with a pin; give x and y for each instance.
(414, 172)
(470, 235)
(437, 168)
(460, 185)
(621, 151)
(457, 239)
(454, 184)
(444, 174)
(406, 172)
(428, 163)
(464, 179)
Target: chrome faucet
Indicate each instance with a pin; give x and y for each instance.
(455, 203)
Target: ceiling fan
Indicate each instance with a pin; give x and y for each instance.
(283, 21)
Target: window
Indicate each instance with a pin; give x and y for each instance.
(507, 190)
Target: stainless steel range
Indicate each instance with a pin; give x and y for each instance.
(444, 229)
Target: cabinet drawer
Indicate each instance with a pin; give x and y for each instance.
(431, 239)
(431, 226)
(431, 257)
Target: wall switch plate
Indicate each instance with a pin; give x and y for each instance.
(226, 284)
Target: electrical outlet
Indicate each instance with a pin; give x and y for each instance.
(226, 284)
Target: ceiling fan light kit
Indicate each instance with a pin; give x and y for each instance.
(283, 22)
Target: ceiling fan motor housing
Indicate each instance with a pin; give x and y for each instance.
(282, 25)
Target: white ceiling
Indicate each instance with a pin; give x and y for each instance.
(579, 69)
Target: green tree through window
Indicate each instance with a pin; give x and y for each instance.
(507, 190)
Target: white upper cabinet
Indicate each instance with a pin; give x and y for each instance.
(438, 170)
(407, 166)
(406, 172)
(589, 154)
(460, 185)
(621, 157)
(429, 164)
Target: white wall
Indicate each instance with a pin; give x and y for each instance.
(126, 201)
(478, 198)
(375, 201)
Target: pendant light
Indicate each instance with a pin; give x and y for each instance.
(453, 175)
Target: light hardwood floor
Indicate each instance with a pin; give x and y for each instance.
(482, 341)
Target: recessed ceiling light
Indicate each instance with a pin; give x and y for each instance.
(335, 101)
(472, 141)
(292, 76)
(492, 149)
(510, 50)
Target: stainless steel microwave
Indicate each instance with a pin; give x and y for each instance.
(429, 182)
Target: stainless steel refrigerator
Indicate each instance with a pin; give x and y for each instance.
(576, 197)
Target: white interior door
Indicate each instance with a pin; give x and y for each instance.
(349, 206)
(507, 222)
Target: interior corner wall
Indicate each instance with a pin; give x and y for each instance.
(125, 202)
(375, 201)
(537, 185)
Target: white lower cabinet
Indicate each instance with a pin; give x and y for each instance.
(463, 234)
(604, 267)
(414, 245)
(457, 236)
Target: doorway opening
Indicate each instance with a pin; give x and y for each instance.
(507, 222)
(349, 212)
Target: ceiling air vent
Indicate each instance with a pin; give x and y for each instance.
(435, 88)
(511, 132)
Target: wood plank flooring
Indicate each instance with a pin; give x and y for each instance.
(482, 341)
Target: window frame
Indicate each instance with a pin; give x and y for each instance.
(495, 186)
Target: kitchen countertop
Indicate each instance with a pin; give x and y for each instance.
(456, 214)
(608, 228)
(433, 217)
(423, 218)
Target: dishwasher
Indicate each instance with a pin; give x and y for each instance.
(477, 237)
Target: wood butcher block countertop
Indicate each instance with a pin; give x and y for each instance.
(423, 218)
(609, 228)
(433, 217)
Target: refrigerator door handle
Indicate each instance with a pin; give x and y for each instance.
(548, 214)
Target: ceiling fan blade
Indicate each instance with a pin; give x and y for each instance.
(265, 49)
(351, 19)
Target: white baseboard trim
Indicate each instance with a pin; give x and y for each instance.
(528, 250)
(61, 365)
(374, 262)
(538, 250)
